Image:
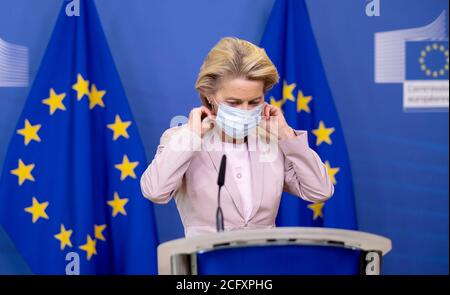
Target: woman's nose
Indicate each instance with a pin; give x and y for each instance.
(245, 106)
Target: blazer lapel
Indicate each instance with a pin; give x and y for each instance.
(257, 170)
(230, 184)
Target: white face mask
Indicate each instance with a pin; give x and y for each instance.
(237, 123)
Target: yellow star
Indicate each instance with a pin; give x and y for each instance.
(89, 247)
(302, 102)
(55, 101)
(126, 168)
(64, 237)
(118, 205)
(323, 133)
(96, 97)
(287, 91)
(30, 132)
(81, 87)
(37, 210)
(277, 103)
(119, 128)
(98, 232)
(23, 172)
(332, 172)
(317, 210)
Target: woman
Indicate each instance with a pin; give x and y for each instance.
(232, 83)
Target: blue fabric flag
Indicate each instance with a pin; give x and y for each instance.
(305, 98)
(70, 179)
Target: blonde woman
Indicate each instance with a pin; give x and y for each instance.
(232, 83)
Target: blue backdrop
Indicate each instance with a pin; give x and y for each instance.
(399, 159)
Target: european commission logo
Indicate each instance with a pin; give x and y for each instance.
(13, 65)
(417, 58)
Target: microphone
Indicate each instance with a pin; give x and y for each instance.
(220, 183)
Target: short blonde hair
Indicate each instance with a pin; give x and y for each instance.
(234, 58)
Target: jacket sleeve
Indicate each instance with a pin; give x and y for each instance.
(165, 173)
(305, 175)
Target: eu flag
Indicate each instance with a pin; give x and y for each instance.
(306, 101)
(69, 194)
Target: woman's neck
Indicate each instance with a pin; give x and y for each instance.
(229, 139)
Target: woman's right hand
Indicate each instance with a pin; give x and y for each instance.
(201, 120)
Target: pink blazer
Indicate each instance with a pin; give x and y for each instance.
(186, 167)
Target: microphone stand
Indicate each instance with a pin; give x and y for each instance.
(220, 183)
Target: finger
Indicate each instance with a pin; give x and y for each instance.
(196, 118)
(209, 119)
(266, 110)
(205, 112)
(207, 124)
(212, 118)
(270, 110)
(264, 124)
(274, 111)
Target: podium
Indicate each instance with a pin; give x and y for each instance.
(282, 250)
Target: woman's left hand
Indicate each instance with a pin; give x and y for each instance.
(274, 122)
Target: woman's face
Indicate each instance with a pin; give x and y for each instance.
(239, 93)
